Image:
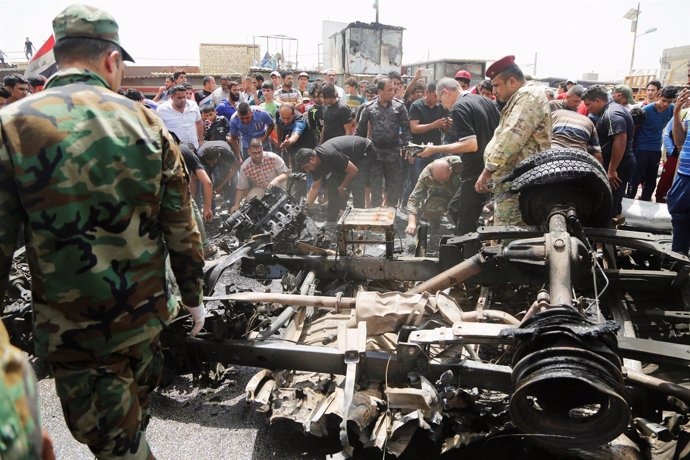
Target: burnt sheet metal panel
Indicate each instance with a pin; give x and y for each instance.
(363, 48)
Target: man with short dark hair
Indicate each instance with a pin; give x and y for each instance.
(249, 123)
(615, 131)
(220, 165)
(342, 164)
(180, 77)
(337, 117)
(352, 99)
(261, 171)
(523, 130)
(228, 106)
(18, 86)
(29, 49)
(390, 130)
(4, 95)
(100, 185)
(648, 144)
(182, 117)
(209, 86)
(286, 93)
(571, 101)
(216, 127)
(652, 92)
(427, 123)
(314, 110)
(162, 94)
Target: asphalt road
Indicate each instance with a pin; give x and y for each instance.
(193, 423)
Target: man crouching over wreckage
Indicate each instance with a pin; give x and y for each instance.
(103, 193)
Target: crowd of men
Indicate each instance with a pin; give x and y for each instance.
(104, 188)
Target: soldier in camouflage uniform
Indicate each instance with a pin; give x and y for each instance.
(103, 192)
(437, 184)
(524, 129)
(390, 130)
(20, 430)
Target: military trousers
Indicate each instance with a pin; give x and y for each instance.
(105, 402)
(506, 206)
(385, 168)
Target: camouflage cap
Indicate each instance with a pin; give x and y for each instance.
(84, 21)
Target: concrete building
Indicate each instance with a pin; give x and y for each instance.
(362, 48)
(221, 58)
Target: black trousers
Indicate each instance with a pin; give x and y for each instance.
(466, 206)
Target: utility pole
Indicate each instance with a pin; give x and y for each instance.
(634, 31)
(376, 7)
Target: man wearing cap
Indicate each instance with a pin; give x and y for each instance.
(623, 95)
(463, 77)
(390, 130)
(275, 79)
(524, 129)
(343, 163)
(103, 192)
(302, 82)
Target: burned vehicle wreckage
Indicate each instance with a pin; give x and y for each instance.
(571, 337)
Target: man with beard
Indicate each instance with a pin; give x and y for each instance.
(223, 92)
(286, 93)
(227, 107)
(182, 117)
(259, 172)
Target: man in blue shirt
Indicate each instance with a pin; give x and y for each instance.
(250, 122)
(679, 195)
(648, 139)
(293, 132)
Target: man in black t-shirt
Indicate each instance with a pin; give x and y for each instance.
(427, 123)
(221, 166)
(337, 117)
(342, 162)
(615, 129)
(209, 86)
(216, 127)
(475, 119)
(199, 177)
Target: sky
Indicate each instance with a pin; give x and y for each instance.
(569, 38)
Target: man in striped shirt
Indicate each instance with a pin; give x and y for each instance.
(572, 130)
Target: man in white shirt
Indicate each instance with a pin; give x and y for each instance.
(182, 117)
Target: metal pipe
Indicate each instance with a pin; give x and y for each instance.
(289, 311)
(558, 260)
(657, 384)
(457, 274)
(336, 303)
(507, 318)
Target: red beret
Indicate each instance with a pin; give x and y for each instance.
(499, 66)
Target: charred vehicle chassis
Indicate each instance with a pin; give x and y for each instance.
(574, 335)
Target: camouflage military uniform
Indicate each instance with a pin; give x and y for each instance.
(104, 193)
(429, 197)
(390, 129)
(524, 129)
(20, 430)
